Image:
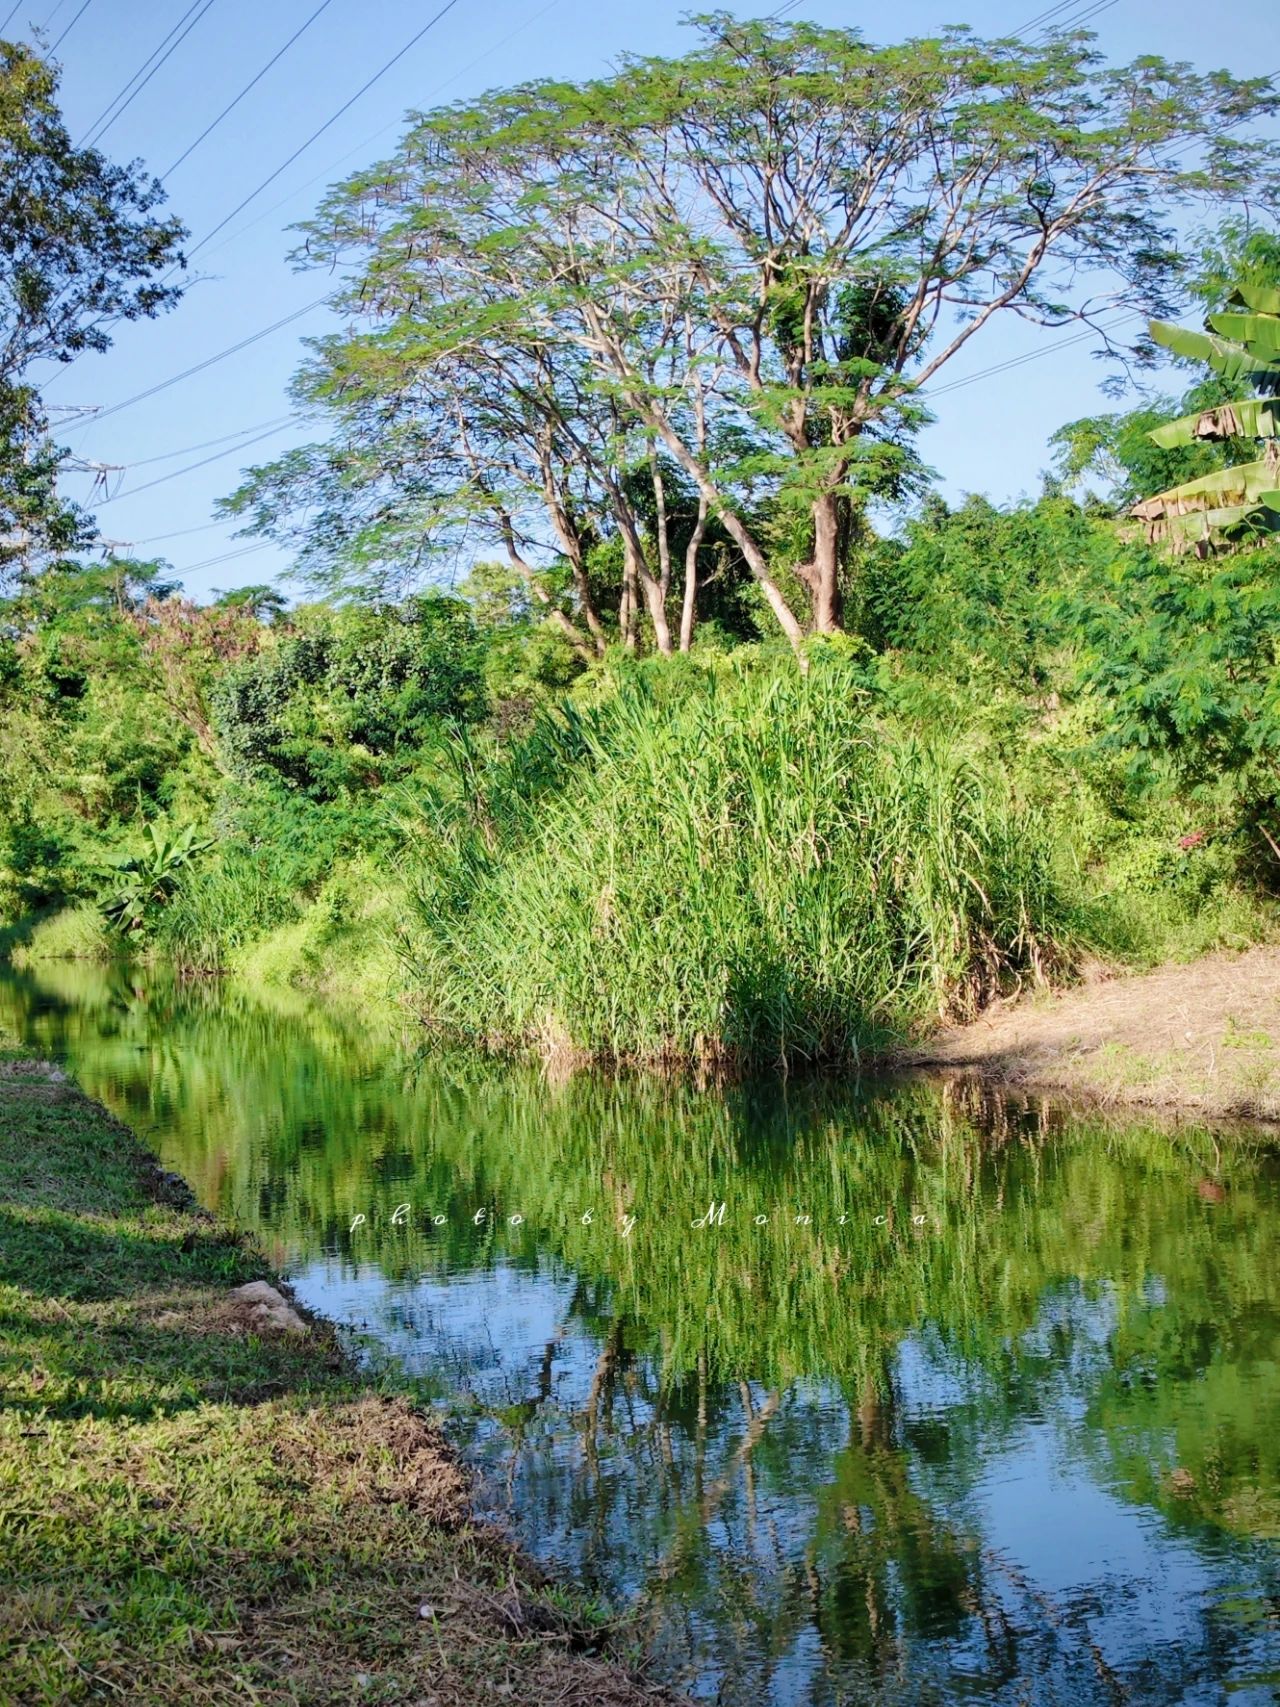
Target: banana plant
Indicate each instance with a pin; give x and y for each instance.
(1226, 509)
(150, 879)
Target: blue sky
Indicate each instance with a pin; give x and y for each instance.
(990, 436)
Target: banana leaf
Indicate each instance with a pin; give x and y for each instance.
(1259, 333)
(1254, 418)
(1207, 530)
(1229, 360)
(1257, 297)
(1225, 486)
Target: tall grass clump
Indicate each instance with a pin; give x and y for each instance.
(758, 871)
(72, 933)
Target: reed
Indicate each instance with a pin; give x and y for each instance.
(758, 871)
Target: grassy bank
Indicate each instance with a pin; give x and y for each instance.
(200, 1505)
(757, 871)
(67, 933)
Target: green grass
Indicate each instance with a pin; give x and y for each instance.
(74, 933)
(342, 944)
(197, 1512)
(755, 870)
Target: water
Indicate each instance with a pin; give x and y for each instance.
(952, 1401)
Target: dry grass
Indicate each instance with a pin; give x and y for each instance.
(1202, 1039)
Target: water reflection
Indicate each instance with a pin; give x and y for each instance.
(942, 1400)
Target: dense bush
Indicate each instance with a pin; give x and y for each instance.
(339, 703)
(761, 870)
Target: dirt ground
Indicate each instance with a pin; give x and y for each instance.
(1201, 1039)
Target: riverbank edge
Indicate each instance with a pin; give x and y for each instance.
(1198, 1041)
(207, 1502)
(1089, 1042)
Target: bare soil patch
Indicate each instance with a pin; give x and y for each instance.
(1201, 1039)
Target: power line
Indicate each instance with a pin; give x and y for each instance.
(252, 83)
(150, 74)
(226, 557)
(186, 450)
(204, 462)
(383, 129)
(180, 533)
(1084, 15)
(1042, 18)
(106, 118)
(331, 120)
(209, 361)
(71, 26)
(1028, 356)
(9, 19)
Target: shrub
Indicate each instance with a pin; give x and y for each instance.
(757, 871)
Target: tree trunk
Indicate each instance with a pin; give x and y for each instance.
(824, 584)
(664, 535)
(733, 524)
(627, 611)
(636, 570)
(571, 545)
(657, 612)
(689, 609)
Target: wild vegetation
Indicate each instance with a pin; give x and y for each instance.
(649, 702)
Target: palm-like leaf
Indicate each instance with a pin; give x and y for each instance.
(1260, 298)
(1258, 334)
(1221, 508)
(1209, 527)
(1252, 418)
(1244, 484)
(1225, 358)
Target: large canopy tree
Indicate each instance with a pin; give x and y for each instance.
(749, 263)
(81, 245)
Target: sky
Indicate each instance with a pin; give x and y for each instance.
(990, 435)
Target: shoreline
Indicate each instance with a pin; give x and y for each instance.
(207, 1498)
(1194, 1040)
(1198, 1041)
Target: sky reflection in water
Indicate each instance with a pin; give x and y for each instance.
(1011, 1433)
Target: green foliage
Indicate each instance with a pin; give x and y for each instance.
(84, 247)
(758, 870)
(1187, 660)
(148, 881)
(970, 593)
(345, 699)
(93, 743)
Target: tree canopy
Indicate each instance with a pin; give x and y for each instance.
(82, 245)
(741, 269)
